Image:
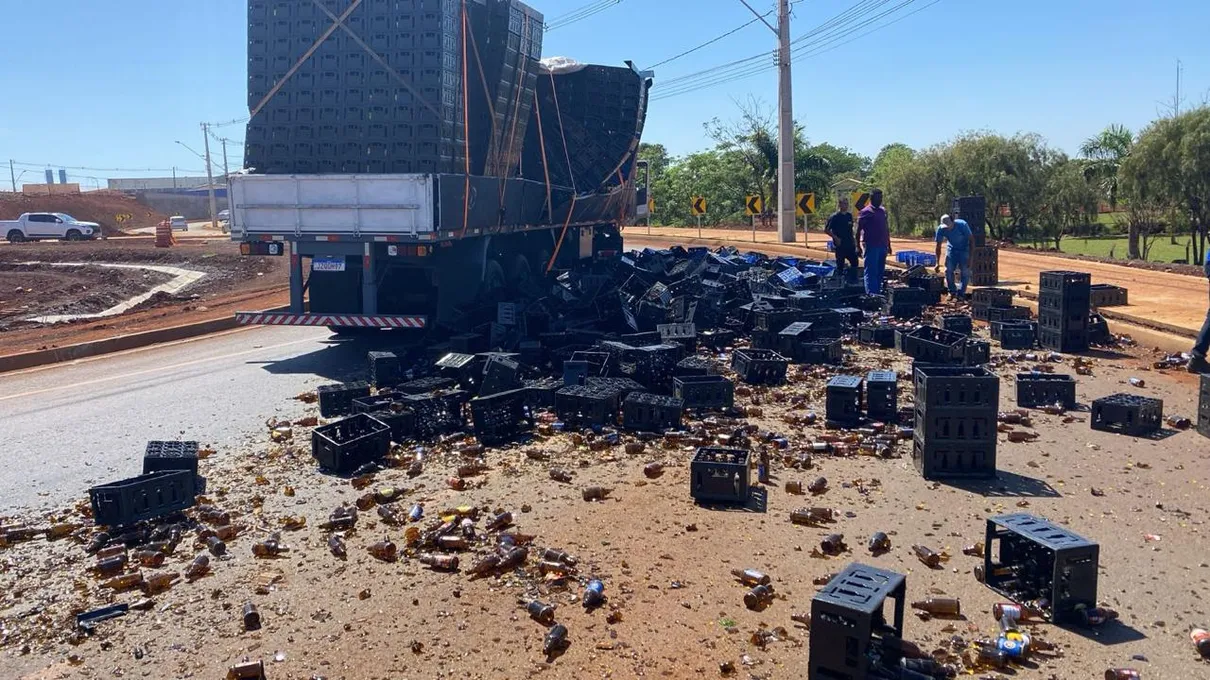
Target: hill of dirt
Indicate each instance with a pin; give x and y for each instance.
(113, 210)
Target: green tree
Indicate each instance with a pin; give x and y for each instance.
(1071, 199)
(1103, 156)
(1170, 164)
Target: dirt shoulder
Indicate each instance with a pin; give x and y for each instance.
(231, 283)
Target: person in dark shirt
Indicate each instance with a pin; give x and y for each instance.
(874, 232)
(840, 228)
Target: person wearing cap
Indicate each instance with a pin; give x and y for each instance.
(1198, 363)
(956, 233)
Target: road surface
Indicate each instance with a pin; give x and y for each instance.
(72, 426)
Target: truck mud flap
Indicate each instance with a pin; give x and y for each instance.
(334, 320)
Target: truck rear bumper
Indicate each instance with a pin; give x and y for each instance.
(331, 320)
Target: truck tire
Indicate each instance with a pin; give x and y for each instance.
(73, 235)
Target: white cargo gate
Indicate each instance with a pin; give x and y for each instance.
(337, 205)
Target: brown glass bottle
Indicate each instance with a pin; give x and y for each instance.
(384, 550)
(752, 577)
(443, 562)
(939, 606)
(927, 556)
(199, 567)
(758, 597)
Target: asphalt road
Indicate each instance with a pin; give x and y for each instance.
(71, 426)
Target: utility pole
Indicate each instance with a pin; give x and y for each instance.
(210, 178)
(13, 174)
(787, 217)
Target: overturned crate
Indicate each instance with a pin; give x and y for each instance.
(643, 411)
(347, 444)
(719, 475)
(156, 494)
(760, 366)
(501, 417)
(1127, 414)
(707, 391)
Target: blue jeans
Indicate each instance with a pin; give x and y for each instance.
(1203, 338)
(875, 266)
(958, 260)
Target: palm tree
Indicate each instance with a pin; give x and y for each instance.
(1103, 155)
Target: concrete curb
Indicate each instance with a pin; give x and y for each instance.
(121, 343)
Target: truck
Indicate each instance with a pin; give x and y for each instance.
(40, 225)
(409, 172)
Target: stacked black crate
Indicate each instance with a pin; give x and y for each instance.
(383, 93)
(984, 259)
(1063, 309)
(955, 428)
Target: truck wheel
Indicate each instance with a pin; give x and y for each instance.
(15, 236)
(74, 235)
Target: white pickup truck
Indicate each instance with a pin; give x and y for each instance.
(37, 226)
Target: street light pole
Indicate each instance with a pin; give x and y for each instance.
(786, 219)
(210, 178)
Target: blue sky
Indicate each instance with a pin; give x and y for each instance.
(113, 84)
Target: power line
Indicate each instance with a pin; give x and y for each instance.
(580, 14)
(824, 43)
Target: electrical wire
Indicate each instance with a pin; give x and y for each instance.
(580, 14)
(824, 43)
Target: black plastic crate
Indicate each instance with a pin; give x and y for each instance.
(760, 366)
(174, 455)
(1203, 406)
(961, 324)
(145, 497)
(501, 417)
(1030, 559)
(1098, 330)
(930, 344)
(1035, 390)
(425, 385)
(337, 400)
(850, 627)
(821, 351)
(976, 352)
(696, 365)
(648, 412)
(1013, 335)
(719, 475)
(882, 396)
(1127, 414)
(384, 369)
(843, 402)
(585, 405)
(1011, 313)
(347, 444)
(438, 412)
(1068, 342)
(880, 334)
(1106, 295)
(1066, 283)
(500, 374)
(956, 389)
(710, 391)
(992, 297)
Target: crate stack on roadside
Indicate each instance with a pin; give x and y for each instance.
(984, 259)
(1063, 310)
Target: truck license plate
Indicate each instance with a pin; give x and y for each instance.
(329, 263)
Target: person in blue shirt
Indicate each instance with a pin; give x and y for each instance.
(957, 233)
(1198, 363)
